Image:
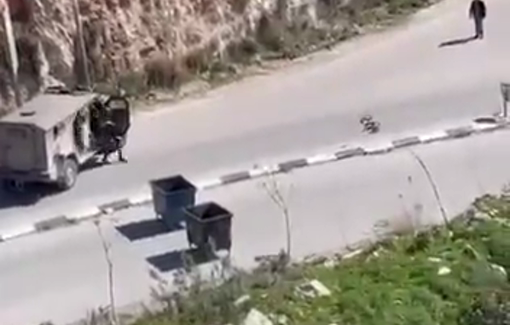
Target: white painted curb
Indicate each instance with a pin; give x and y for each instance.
(85, 214)
(435, 136)
(209, 184)
(141, 199)
(320, 159)
(379, 148)
(145, 195)
(18, 232)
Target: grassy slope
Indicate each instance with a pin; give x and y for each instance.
(395, 281)
(445, 275)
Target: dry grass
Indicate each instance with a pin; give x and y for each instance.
(274, 38)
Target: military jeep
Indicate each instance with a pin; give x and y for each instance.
(52, 135)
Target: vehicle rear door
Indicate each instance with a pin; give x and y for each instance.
(119, 109)
(18, 151)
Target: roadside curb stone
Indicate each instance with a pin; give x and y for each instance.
(111, 207)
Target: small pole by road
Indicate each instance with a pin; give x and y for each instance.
(13, 53)
(433, 186)
(505, 94)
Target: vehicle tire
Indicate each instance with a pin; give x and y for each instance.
(68, 174)
(9, 186)
(6, 185)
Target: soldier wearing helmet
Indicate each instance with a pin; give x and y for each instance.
(112, 141)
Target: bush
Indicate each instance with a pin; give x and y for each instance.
(442, 275)
(488, 309)
(163, 72)
(134, 84)
(274, 38)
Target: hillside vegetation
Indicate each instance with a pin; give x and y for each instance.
(449, 274)
(150, 47)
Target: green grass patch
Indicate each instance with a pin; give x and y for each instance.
(454, 275)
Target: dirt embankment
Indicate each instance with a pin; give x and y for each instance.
(161, 43)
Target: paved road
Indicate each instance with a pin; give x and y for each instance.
(58, 275)
(401, 77)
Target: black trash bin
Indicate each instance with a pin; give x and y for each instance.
(208, 225)
(170, 195)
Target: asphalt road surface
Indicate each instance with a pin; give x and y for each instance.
(59, 275)
(400, 77)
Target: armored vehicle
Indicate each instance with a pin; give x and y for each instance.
(52, 135)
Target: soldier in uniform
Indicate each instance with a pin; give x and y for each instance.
(112, 141)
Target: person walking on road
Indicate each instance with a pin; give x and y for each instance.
(477, 12)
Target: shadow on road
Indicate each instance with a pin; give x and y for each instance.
(91, 165)
(96, 163)
(486, 120)
(175, 259)
(458, 41)
(31, 194)
(145, 229)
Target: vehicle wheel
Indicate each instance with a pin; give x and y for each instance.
(7, 185)
(11, 186)
(69, 174)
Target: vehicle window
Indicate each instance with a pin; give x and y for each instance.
(117, 104)
(58, 129)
